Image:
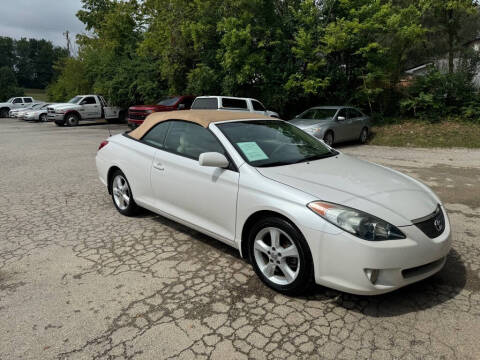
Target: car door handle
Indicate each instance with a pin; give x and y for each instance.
(158, 166)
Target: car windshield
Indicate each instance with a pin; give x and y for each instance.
(169, 101)
(75, 100)
(37, 106)
(10, 100)
(264, 143)
(317, 115)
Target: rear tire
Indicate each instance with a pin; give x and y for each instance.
(280, 256)
(71, 119)
(122, 194)
(363, 136)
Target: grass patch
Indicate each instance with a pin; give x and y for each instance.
(417, 133)
(37, 94)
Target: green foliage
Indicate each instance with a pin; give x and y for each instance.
(72, 80)
(290, 54)
(30, 60)
(8, 84)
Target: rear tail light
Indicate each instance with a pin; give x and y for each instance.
(102, 144)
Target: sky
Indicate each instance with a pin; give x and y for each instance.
(40, 19)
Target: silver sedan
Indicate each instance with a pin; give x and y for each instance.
(334, 124)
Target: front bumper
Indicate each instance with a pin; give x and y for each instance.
(55, 117)
(340, 259)
(134, 122)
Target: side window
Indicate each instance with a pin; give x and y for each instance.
(234, 104)
(191, 140)
(17, 101)
(205, 103)
(27, 100)
(343, 112)
(156, 136)
(89, 100)
(187, 102)
(257, 106)
(353, 113)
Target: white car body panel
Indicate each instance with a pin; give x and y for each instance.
(86, 111)
(218, 202)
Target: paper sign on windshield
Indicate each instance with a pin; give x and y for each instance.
(252, 151)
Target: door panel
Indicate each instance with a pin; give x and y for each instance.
(203, 196)
(91, 108)
(342, 127)
(356, 123)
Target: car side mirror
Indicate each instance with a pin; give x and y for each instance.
(83, 102)
(341, 118)
(181, 107)
(213, 159)
(297, 116)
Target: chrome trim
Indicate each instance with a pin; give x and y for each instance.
(428, 217)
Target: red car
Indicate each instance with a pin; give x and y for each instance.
(138, 113)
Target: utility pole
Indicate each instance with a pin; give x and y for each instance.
(67, 37)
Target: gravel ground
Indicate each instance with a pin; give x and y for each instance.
(80, 281)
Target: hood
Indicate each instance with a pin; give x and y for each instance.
(306, 123)
(150, 107)
(59, 105)
(371, 188)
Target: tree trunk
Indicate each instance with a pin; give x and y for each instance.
(451, 34)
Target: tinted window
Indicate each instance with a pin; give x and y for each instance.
(187, 102)
(352, 113)
(89, 100)
(17, 101)
(234, 104)
(169, 101)
(191, 140)
(156, 136)
(265, 143)
(27, 100)
(257, 106)
(205, 103)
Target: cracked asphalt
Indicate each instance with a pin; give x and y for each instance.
(80, 281)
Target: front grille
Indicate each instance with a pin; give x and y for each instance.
(51, 110)
(432, 225)
(136, 116)
(422, 269)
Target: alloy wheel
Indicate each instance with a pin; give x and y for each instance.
(276, 256)
(121, 192)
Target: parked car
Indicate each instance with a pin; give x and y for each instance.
(18, 113)
(38, 114)
(138, 113)
(232, 104)
(334, 124)
(14, 103)
(83, 107)
(298, 209)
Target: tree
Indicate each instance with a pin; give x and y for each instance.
(8, 84)
(457, 21)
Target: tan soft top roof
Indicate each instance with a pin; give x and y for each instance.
(201, 117)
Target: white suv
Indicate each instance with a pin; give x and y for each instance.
(232, 104)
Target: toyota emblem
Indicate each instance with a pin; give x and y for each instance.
(438, 224)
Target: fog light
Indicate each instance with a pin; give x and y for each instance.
(372, 275)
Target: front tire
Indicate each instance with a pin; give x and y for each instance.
(122, 194)
(4, 113)
(328, 138)
(363, 136)
(43, 118)
(71, 120)
(280, 256)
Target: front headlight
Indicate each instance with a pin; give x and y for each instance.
(149, 111)
(312, 131)
(356, 222)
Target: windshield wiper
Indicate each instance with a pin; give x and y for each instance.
(315, 157)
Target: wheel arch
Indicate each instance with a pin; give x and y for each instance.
(250, 222)
(109, 177)
(72, 112)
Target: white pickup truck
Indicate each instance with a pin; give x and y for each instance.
(14, 103)
(83, 107)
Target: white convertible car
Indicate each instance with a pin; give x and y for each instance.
(299, 210)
